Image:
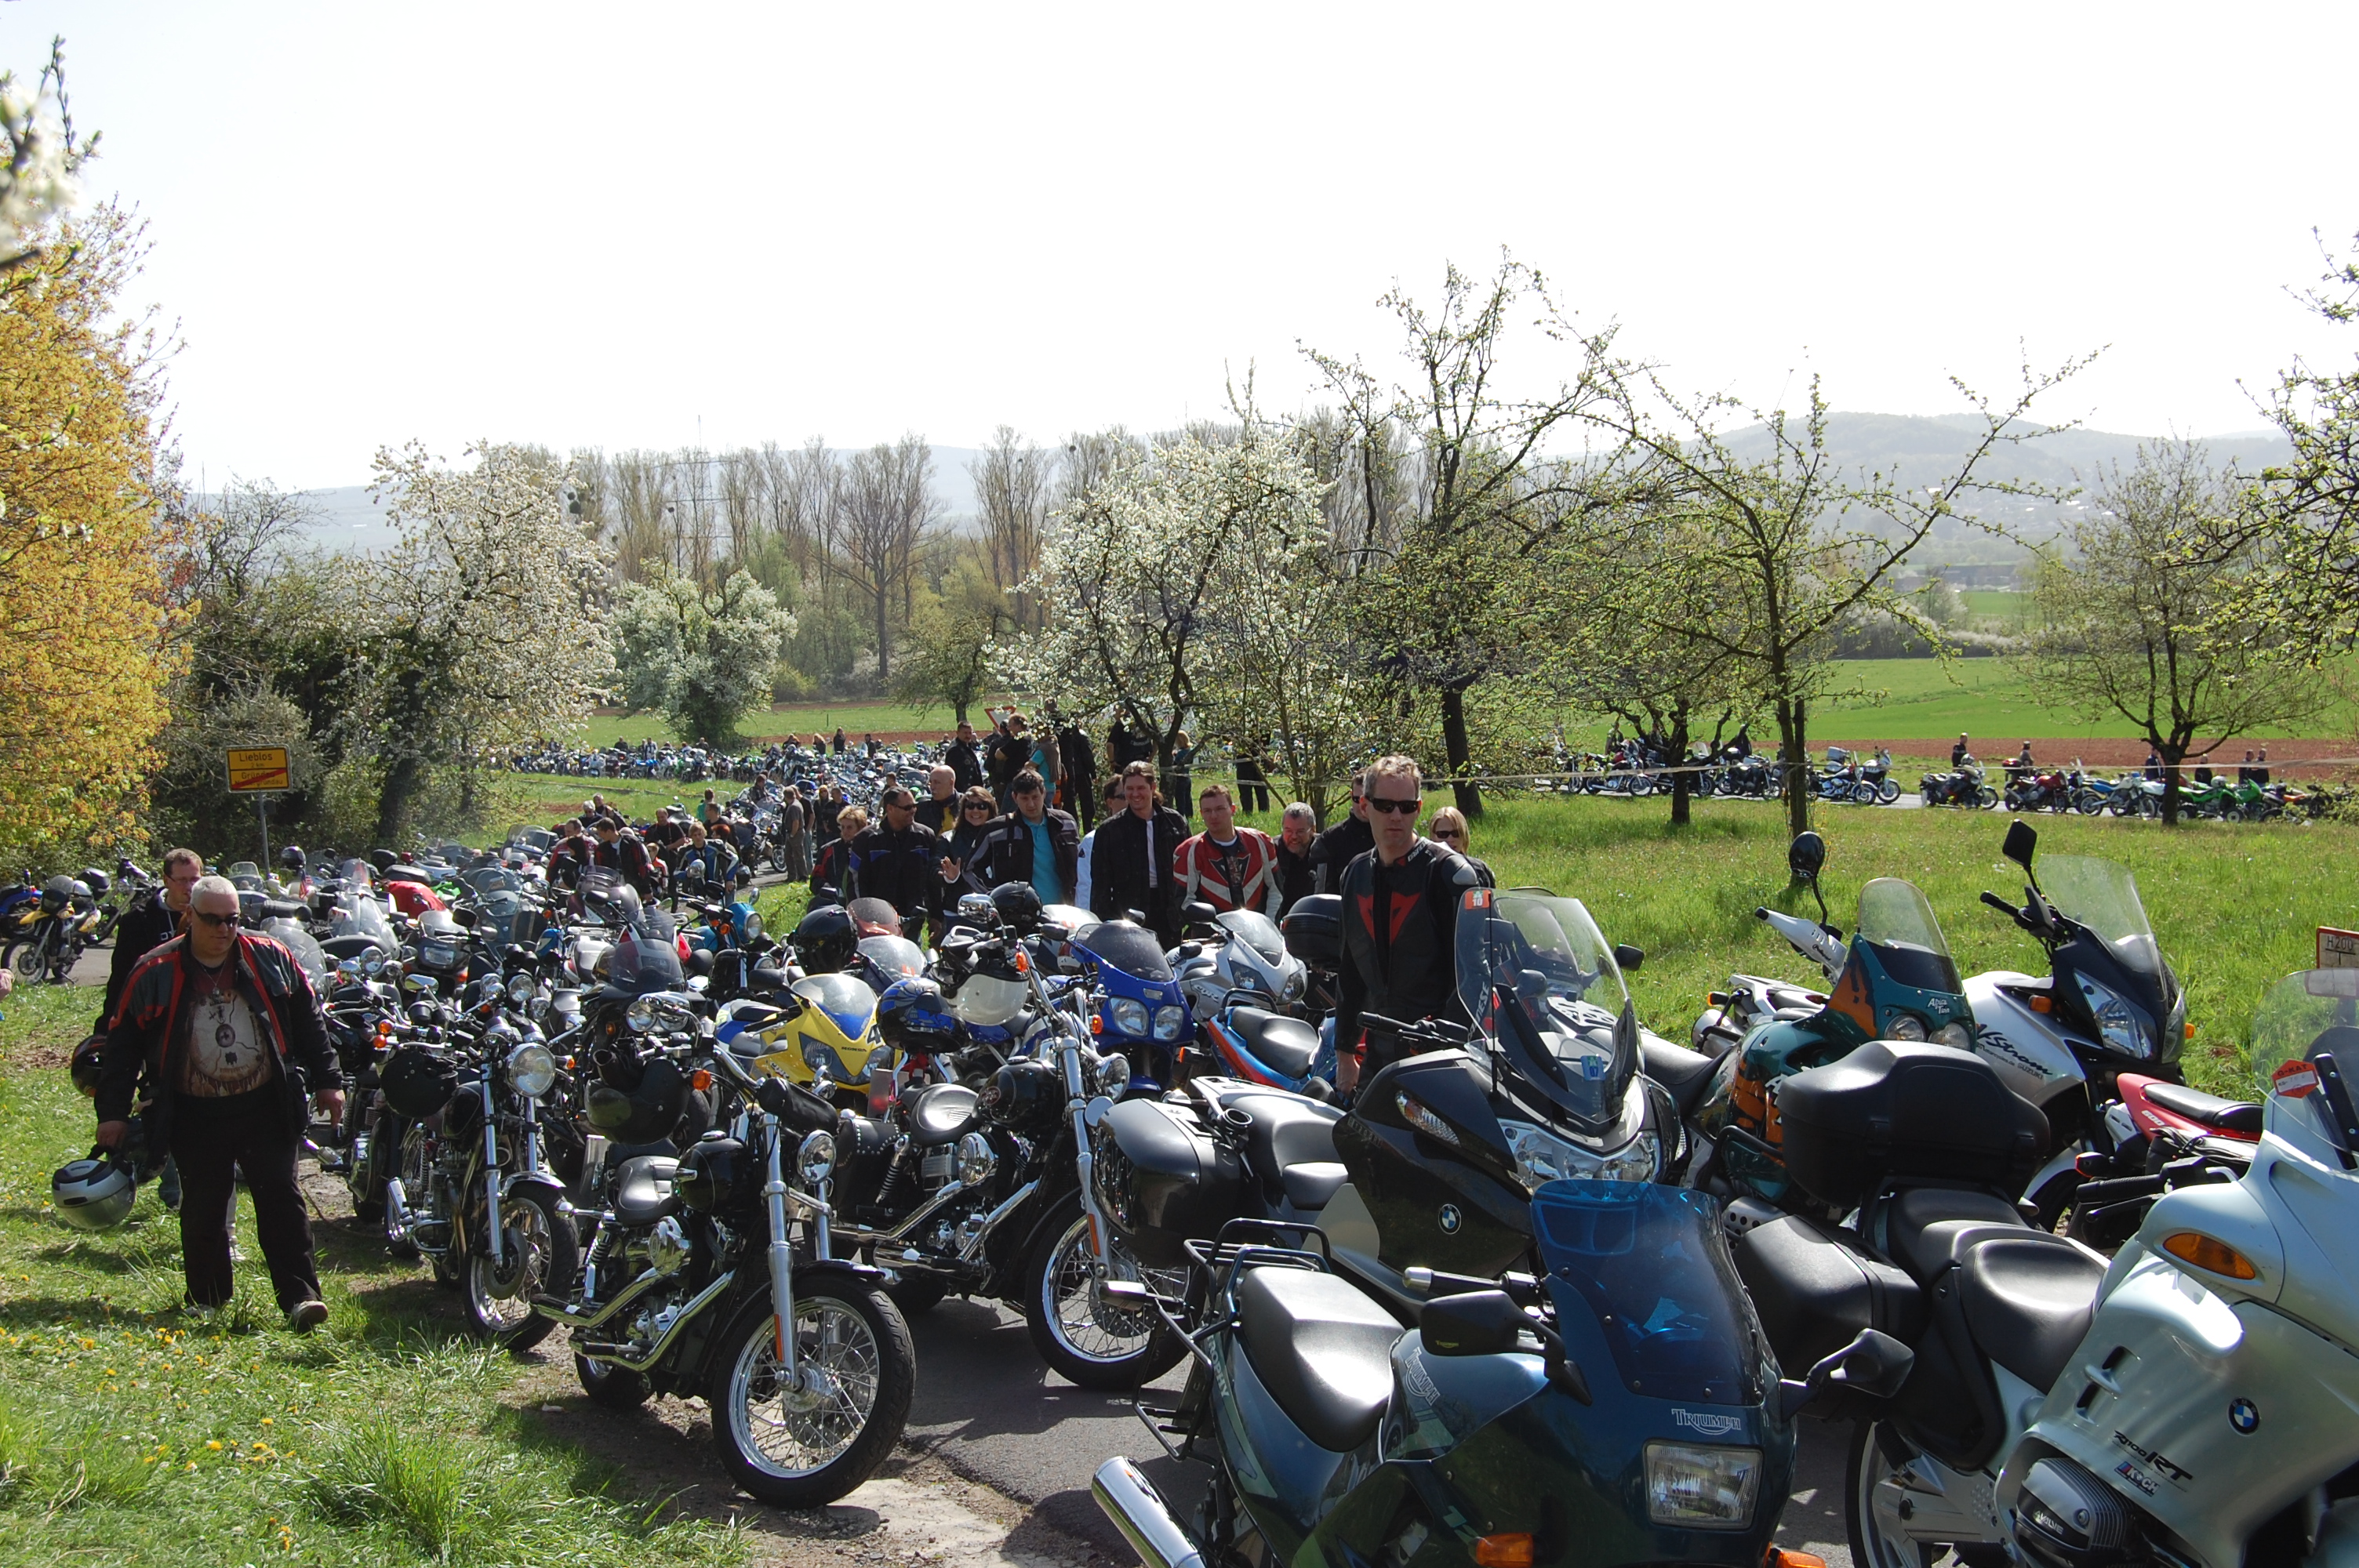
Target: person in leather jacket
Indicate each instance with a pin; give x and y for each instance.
(965, 758)
(1400, 926)
(1131, 860)
(1009, 850)
(1339, 846)
(895, 860)
(619, 847)
(149, 924)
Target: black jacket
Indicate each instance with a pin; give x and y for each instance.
(1005, 853)
(902, 867)
(145, 926)
(148, 1027)
(1004, 759)
(1298, 877)
(942, 815)
(1338, 848)
(1075, 761)
(964, 760)
(1118, 868)
(1400, 930)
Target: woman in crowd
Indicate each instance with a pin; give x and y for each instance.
(833, 866)
(1450, 832)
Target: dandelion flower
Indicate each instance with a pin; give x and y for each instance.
(213, 1443)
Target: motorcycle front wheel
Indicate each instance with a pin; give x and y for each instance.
(538, 1256)
(1887, 792)
(805, 1443)
(1086, 1340)
(1876, 1541)
(31, 958)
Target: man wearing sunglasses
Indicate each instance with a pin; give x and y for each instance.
(1349, 839)
(1400, 926)
(225, 1023)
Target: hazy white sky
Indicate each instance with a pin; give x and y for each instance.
(592, 225)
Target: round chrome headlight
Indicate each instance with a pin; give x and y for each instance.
(520, 989)
(1904, 1026)
(1129, 1016)
(1171, 1021)
(641, 1015)
(532, 1070)
(371, 962)
(1956, 1034)
(815, 1159)
(975, 1160)
(1110, 1074)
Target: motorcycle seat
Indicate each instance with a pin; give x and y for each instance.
(1286, 1132)
(941, 1113)
(644, 1193)
(1322, 1349)
(1912, 1221)
(1286, 1045)
(1309, 1186)
(2029, 1299)
(1685, 1073)
(2227, 1115)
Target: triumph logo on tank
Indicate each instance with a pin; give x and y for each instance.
(1705, 1422)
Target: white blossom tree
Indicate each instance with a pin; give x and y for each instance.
(489, 616)
(701, 657)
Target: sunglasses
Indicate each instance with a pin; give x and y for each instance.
(976, 805)
(1396, 807)
(1448, 833)
(216, 920)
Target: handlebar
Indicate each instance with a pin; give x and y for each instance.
(2002, 906)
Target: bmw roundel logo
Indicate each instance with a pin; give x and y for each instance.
(1449, 1222)
(2245, 1416)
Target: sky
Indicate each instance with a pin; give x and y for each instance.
(644, 226)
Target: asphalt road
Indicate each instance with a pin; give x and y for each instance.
(990, 1408)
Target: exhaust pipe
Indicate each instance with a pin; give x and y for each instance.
(1131, 1501)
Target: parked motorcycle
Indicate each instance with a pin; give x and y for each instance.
(1962, 786)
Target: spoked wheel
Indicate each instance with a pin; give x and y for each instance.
(1986, 798)
(801, 1444)
(31, 960)
(1887, 792)
(1876, 1529)
(538, 1256)
(1087, 1339)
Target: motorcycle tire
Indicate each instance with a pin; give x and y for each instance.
(540, 1257)
(1887, 792)
(31, 959)
(917, 1294)
(1863, 793)
(610, 1388)
(849, 1337)
(1986, 798)
(2090, 803)
(1085, 1342)
(2053, 1201)
(1871, 1547)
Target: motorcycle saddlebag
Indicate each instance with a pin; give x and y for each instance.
(1815, 1287)
(1162, 1179)
(1314, 930)
(1905, 1109)
(416, 1082)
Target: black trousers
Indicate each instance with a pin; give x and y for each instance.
(248, 1132)
(1253, 790)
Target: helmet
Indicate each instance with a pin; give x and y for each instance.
(291, 858)
(87, 1058)
(875, 917)
(643, 1113)
(827, 940)
(911, 1011)
(92, 1194)
(382, 860)
(95, 879)
(1018, 904)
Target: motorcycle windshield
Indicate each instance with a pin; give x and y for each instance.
(1130, 948)
(645, 958)
(1542, 958)
(2303, 1014)
(1895, 920)
(896, 957)
(2102, 895)
(484, 881)
(300, 943)
(1257, 932)
(848, 1004)
(357, 914)
(1652, 1267)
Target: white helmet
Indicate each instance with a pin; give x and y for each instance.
(94, 1194)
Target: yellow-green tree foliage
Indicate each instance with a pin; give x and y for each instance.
(82, 611)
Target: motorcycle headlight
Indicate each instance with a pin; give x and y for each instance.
(371, 962)
(1128, 1017)
(2124, 1027)
(815, 1160)
(532, 1071)
(520, 989)
(1110, 1074)
(1904, 1026)
(641, 1015)
(975, 1160)
(1542, 1157)
(1700, 1487)
(1171, 1021)
(1957, 1034)
(1296, 978)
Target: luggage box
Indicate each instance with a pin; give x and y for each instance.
(1163, 1179)
(1814, 1287)
(1899, 1108)
(1314, 930)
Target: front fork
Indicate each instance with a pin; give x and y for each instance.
(782, 1252)
(492, 1175)
(1077, 1106)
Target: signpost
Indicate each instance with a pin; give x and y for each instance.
(260, 771)
(2337, 949)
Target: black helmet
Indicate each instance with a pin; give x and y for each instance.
(382, 860)
(641, 1114)
(875, 917)
(87, 1059)
(1018, 904)
(92, 1194)
(291, 858)
(827, 940)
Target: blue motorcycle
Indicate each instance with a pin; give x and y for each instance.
(1138, 1009)
(1622, 1405)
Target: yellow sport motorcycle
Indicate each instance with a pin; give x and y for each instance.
(825, 1029)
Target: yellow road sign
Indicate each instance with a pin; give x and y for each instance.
(258, 770)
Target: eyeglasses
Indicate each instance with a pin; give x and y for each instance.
(976, 805)
(216, 920)
(1448, 833)
(1391, 808)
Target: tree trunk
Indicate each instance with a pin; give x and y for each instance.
(959, 711)
(884, 637)
(2173, 756)
(1793, 739)
(1682, 782)
(393, 800)
(1459, 756)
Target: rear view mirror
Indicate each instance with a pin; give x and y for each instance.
(1196, 912)
(1873, 1364)
(2022, 839)
(1627, 957)
(1806, 857)
(1479, 1323)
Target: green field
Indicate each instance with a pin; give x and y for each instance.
(1927, 699)
(803, 719)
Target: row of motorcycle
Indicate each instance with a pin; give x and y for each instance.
(2076, 790)
(46, 926)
